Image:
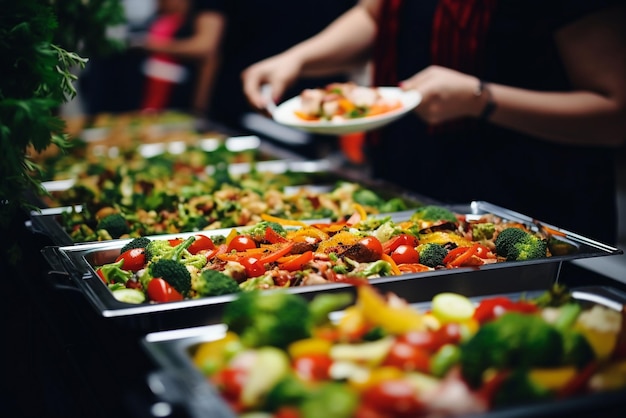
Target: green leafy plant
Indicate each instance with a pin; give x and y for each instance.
(37, 78)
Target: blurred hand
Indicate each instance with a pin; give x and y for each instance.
(446, 94)
(279, 71)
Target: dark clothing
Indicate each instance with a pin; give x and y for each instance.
(257, 30)
(572, 187)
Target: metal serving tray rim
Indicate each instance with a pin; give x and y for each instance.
(169, 350)
(73, 259)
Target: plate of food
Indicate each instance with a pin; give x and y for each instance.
(342, 108)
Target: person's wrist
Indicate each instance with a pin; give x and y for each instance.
(488, 105)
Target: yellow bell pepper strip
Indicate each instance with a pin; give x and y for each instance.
(213, 355)
(307, 232)
(395, 320)
(578, 383)
(309, 346)
(553, 378)
(232, 234)
(394, 267)
(281, 221)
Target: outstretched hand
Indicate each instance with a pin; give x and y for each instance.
(279, 72)
(446, 94)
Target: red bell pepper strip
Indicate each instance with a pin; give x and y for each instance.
(295, 262)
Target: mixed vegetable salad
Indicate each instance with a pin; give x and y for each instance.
(279, 253)
(340, 101)
(282, 356)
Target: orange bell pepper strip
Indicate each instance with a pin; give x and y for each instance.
(413, 267)
(305, 116)
(394, 267)
(295, 262)
(460, 259)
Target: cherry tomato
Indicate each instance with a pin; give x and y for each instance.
(405, 254)
(407, 357)
(448, 333)
(202, 242)
(134, 259)
(241, 243)
(253, 265)
(397, 398)
(313, 367)
(230, 382)
(402, 239)
(372, 244)
(161, 291)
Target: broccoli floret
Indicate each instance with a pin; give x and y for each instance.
(161, 248)
(173, 272)
(433, 213)
(512, 340)
(515, 244)
(518, 389)
(141, 242)
(393, 205)
(115, 224)
(432, 254)
(274, 318)
(290, 391)
(257, 232)
(166, 263)
(483, 231)
(157, 249)
(367, 197)
(114, 272)
(262, 282)
(213, 283)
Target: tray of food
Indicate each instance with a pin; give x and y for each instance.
(543, 353)
(155, 199)
(185, 279)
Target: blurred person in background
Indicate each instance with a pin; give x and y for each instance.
(523, 102)
(172, 51)
(182, 42)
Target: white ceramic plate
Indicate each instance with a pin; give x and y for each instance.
(284, 114)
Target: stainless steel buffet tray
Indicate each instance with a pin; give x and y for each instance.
(177, 381)
(78, 262)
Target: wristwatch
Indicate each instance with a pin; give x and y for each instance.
(490, 106)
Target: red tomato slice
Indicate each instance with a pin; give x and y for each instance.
(202, 242)
(405, 254)
(313, 367)
(134, 259)
(161, 291)
(230, 382)
(395, 397)
(402, 239)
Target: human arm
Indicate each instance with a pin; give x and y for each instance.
(593, 112)
(334, 50)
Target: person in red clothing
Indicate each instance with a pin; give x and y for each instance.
(523, 101)
(182, 41)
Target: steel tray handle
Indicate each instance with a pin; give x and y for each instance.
(59, 275)
(175, 391)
